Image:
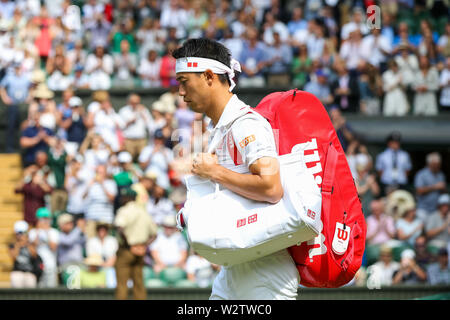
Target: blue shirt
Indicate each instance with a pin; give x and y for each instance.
(251, 57)
(394, 165)
(31, 132)
(425, 178)
(16, 86)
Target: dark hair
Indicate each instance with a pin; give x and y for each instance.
(205, 48)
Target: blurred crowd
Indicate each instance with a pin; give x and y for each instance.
(85, 163)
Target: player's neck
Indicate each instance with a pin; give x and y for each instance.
(218, 105)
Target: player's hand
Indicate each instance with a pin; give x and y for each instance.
(204, 165)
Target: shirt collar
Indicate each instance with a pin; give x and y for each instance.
(233, 110)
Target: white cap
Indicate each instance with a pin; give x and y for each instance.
(443, 199)
(408, 254)
(20, 226)
(124, 157)
(75, 102)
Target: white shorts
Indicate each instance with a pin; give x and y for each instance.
(274, 277)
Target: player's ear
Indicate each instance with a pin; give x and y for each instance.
(209, 76)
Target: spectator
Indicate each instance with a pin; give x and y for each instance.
(91, 9)
(126, 175)
(409, 272)
(158, 158)
(159, 205)
(77, 56)
(271, 26)
(125, 65)
(376, 48)
(138, 125)
(75, 185)
(343, 129)
(45, 239)
(144, 188)
(71, 242)
(380, 226)
(170, 248)
(99, 197)
(93, 276)
(443, 45)
(58, 68)
(345, 88)
(365, 181)
(57, 160)
(44, 104)
(279, 60)
(424, 256)
(200, 271)
(320, 88)
(297, 22)
(408, 65)
(167, 67)
(136, 230)
(34, 188)
(79, 79)
(150, 36)
(393, 164)
(439, 273)
(98, 33)
(356, 23)
(197, 17)
(74, 123)
(105, 246)
(395, 100)
(25, 258)
(175, 16)
(425, 84)
(444, 82)
(149, 69)
(429, 182)
(316, 41)
(409, 227)
(437, 224)
(99, 66)
(381, 273)
(352, 50)
(371, 89)
(253, 60)
(14, 91)
(95, 152)
(301, 66)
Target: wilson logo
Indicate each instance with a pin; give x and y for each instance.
(251, 219)
(342, 234)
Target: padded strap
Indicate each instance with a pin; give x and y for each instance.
(328, 177)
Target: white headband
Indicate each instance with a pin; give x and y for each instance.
(195, 64)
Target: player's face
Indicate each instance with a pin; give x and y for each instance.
(194, 90)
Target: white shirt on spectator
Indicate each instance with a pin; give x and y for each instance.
(106, 248)
(106, 124)
(372, 47)
(444, 81)
(149, 72)
(159, 163)
(170, 248)
(158, 211)
(98, 206)
(142, 125)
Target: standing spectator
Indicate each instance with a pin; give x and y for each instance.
(365, 181)
(343, 129)
(395, 100)
(24, 255)
(148, 70)
(253, 60)
(58, 68)
(175, 16)
(159, 205)
(444, 82)
(75, 185)
(439, 273)
(79, 79)
(429, 182)
(136, 230)
(99, 32)
(320, 88)
(376, 48)
(57, 157)
(271, 26)
(167, 66)
(34, 188)
(99, 197)
(138, 122)
(297, 22)
(74, 123)
(345, 88)
(393, 164)
(71, 242)
(408, 65)
(381, 273)
(170, 248)
(14, 90)
(301, 66)
(380, 226)
(371, 89)
(105, 246)
(125, 65)
(99, 66)
(426, 85)
(438, 224)
(279, 60)
(351, 51)
(409, 227)
(45, 238)
(409, 272)
(91, 9)
(357, 22)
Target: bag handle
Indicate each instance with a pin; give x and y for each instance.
(328, 176)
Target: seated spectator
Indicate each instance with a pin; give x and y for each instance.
(93, 276)
(426, 85)
(197, 17)
(320, 88)
(24, 256)
(380, 226)
(100, 67)
(159, 205)
(58, 68)
(253, 60)
(44, 104)
(424, 256)
(169, 248)
(271, 26)
(444, 85)
(79, 79)
(279, 60)
(428, 42)
(123, 31)
(393, 164)
(77, 55)
(409, 227)
(98, 33)
(150, 36)
(395, 100)
(138, 125)
(148, 70)
(34, 188)
(301, 66)
(91, 8)
(14, 90)
(409, 272)
(99, 198)
(382, 272)
(71, 242)
(345, 88)
(125, 65)
(157, 157)
(438, 273)
(57, 160)
(45, 239)
(200, 271)
(437, 225)
(74, 123)
(429, 182)
(104, 246)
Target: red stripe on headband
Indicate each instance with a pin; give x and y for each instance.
(192, 64)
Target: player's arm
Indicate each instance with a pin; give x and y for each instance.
(263, 184)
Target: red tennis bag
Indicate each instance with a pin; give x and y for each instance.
(301, 122)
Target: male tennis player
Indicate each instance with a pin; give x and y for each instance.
(244, 161)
